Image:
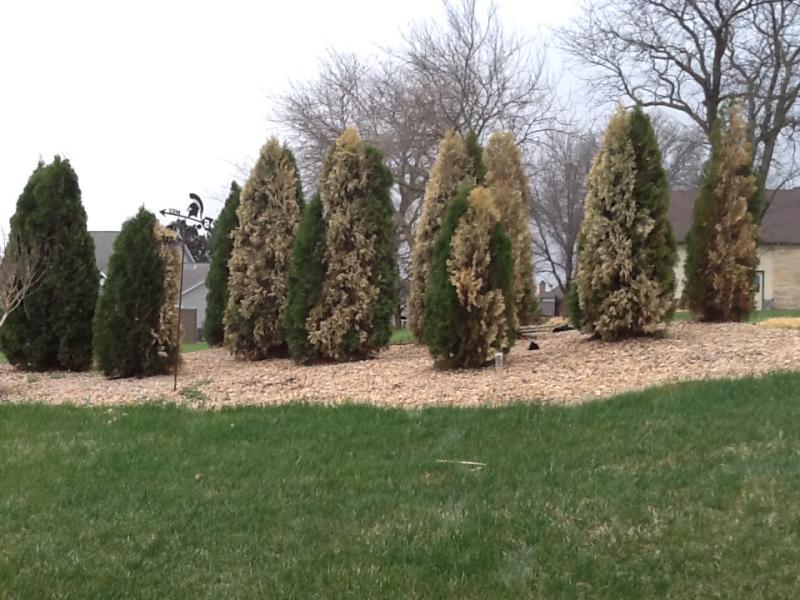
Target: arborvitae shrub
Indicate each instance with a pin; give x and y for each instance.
(168, 334)
(574, 315)
(269, 212)
(453, 168)
(722, 242)
(444, 315)
(52, 328)
(506, 179)
(379, 212)
(132, 320)
(306, 278)
(658, 252)
(353, 316)
(475, 152)
(619, 287)
(217, 279)
(469, 308)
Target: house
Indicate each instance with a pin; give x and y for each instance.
(550, 301)
(194, 280)
(778, 271)
(194, 291)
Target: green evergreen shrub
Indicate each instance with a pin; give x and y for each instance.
(574, 315)
(217, 279)
(475, 151)
(658, 251)
(470, 304)
(306, 278)
(132, 338)
(52, 328)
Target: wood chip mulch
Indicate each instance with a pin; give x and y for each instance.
(568, 368)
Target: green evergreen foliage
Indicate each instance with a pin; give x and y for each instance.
(444, 315)
(52, 328)
(756, 204)
(469, 310)
(380, 212)
(475, 151)
(502, 277)
(217, 279)
(129, 309)
(658, 252)
(574, 315)
(697, 290)
(306, 278)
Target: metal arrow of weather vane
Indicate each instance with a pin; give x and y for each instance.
(194, 213)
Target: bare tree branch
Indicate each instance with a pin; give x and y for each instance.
(558, 186)
(20, 268)
(694, 56)
(463, 72)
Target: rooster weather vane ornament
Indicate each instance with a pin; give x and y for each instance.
(194, 212)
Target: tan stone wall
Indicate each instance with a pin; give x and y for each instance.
(786, 276)
(781, 266)
(680, 276)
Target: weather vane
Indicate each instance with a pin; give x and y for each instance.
(194, 213)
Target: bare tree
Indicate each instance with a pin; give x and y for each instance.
(20, 269)
(465, 72)
(766, 63)
(684, 150)
(694, 56)
(558, 186)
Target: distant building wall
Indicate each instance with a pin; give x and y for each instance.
(196, 299)
(188, 326)
(781, 267)
(786, 276)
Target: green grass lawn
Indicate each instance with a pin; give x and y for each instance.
(195, 347)
(755, 317)
(689, 491)
(401, 336)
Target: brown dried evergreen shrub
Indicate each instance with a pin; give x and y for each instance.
(722, 249)
(506, 179)
(269, 212)
(453, 168)
(167, 336)
(617, 297)
(342, 326)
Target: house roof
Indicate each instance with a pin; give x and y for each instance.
(104, 246)
(194, 275)
(781, 224)
(554, 294)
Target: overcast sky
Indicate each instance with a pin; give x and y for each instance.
(153, 99)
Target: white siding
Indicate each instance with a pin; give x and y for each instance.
(196, 298)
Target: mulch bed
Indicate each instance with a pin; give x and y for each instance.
(569, 368)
